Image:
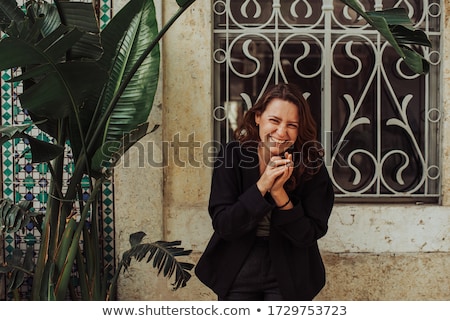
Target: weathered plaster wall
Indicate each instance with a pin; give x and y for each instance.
(138, 197)
(382, 252)
(169, 201)
(386, 277)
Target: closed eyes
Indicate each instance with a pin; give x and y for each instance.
(275, 120)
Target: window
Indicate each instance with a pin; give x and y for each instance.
(379, 122)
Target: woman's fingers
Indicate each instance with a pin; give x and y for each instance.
(284, 171)
(276, 173)
(278, 161)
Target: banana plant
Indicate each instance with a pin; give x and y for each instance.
(396, 27)
(92, 90)
(14, 217)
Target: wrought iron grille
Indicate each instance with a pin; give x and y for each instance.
(379, 122)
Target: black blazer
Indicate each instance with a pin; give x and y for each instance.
(236, 206)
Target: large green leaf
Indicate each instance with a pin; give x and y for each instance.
(122, 50)
(82, 16)
(41, 151)
(48, 13)
(111, 152)
(136, 102)
(9, 12)
(41, 19)
(396, 27)
(59, 88)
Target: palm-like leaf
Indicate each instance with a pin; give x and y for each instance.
(164, 255)
(14, 217)
(396, 27)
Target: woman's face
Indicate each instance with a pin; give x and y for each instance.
(278, 125)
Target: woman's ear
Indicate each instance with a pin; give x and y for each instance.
(257, 118)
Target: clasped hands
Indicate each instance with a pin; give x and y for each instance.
(274, 175)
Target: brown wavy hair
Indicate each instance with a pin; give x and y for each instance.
(307, 151)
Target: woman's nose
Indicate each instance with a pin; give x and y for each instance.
(282, 130)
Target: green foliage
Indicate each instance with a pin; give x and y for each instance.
(164, 255)
(14, 217)
(396, 27)
(94, 90)
(17, 266)
(41, 151)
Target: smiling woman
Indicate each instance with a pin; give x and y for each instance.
(268, 211)
(278, 127)
(282, 121)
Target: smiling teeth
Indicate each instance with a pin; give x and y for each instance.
(277, 140)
